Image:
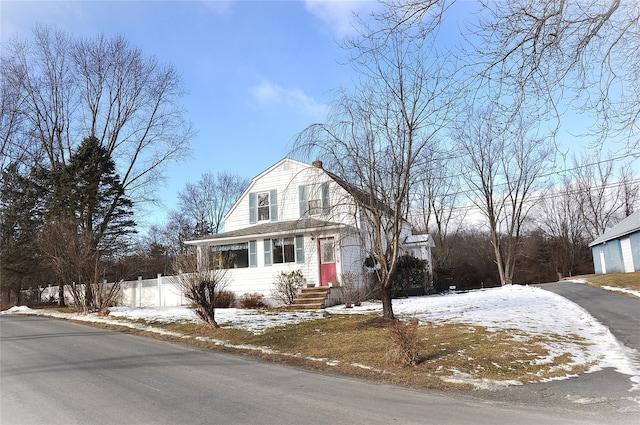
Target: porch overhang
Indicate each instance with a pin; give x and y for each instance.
(268, 230)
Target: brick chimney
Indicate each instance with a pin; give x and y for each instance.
(317, 163)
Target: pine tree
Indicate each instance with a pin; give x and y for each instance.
(89, 218)
(21, 218)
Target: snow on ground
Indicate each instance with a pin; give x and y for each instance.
(609, 288)
(523, 308)
(623, 290)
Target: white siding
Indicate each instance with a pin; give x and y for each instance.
(285, 177)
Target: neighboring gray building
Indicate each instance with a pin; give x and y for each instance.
(618, 249)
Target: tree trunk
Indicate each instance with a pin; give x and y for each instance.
(387, 308)
(61, 302)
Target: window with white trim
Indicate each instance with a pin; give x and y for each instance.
(314, 199)
(284, 250)
(230, 256)
(263, 206)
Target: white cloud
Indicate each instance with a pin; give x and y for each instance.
(268, 93)
(339, 14)
(219, 7)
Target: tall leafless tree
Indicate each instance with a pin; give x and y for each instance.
(58, 89)
(503, 166)
(206, 202)
(558, 54)
(378, 131)
(605, 193)
(549, 56)
(435, 199)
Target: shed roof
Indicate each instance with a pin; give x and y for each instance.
(627, 226)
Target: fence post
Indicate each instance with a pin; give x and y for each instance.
(159, 289)
(139, 293)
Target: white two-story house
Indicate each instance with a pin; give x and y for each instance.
(294, 216)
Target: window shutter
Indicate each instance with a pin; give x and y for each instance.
(302, 199)
(267, 252)
(273, 199)
(253, 208)
(325, 198)
(253, 254)
(300, 249)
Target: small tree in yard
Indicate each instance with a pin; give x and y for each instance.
(201, 287)
(287, 285)
(405, 339)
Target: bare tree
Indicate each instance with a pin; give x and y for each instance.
(546, 57)
(57, 90)
(201, 286)
(206, 202)
(63, 88)
(586, 53)
(435, 198)
(503, 166)
(604, 194)
(72, 256)
(558, 215)
(378, 131)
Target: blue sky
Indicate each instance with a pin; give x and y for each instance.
(256, 72)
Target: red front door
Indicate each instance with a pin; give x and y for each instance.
(327, 253)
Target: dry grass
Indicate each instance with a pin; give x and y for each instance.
(360, 345)
(618, 280)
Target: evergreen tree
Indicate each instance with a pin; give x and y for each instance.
(21, 218)
(88, 221)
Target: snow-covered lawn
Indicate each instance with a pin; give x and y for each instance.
(522, 308)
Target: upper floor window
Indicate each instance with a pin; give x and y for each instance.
(314, 199)
(263, 206)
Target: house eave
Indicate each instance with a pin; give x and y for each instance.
(311, 226)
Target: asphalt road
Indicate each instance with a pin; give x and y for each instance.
(57, 372)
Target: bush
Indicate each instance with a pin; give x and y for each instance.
(202, 288)
(411, 274)
(356, 287)
(225, 299)
(404, 336)
(252, 300)
(287, 285)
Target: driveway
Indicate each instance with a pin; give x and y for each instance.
(620, 313)
(605, 392)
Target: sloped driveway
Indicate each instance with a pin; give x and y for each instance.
(607, 393)
(620, 313)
